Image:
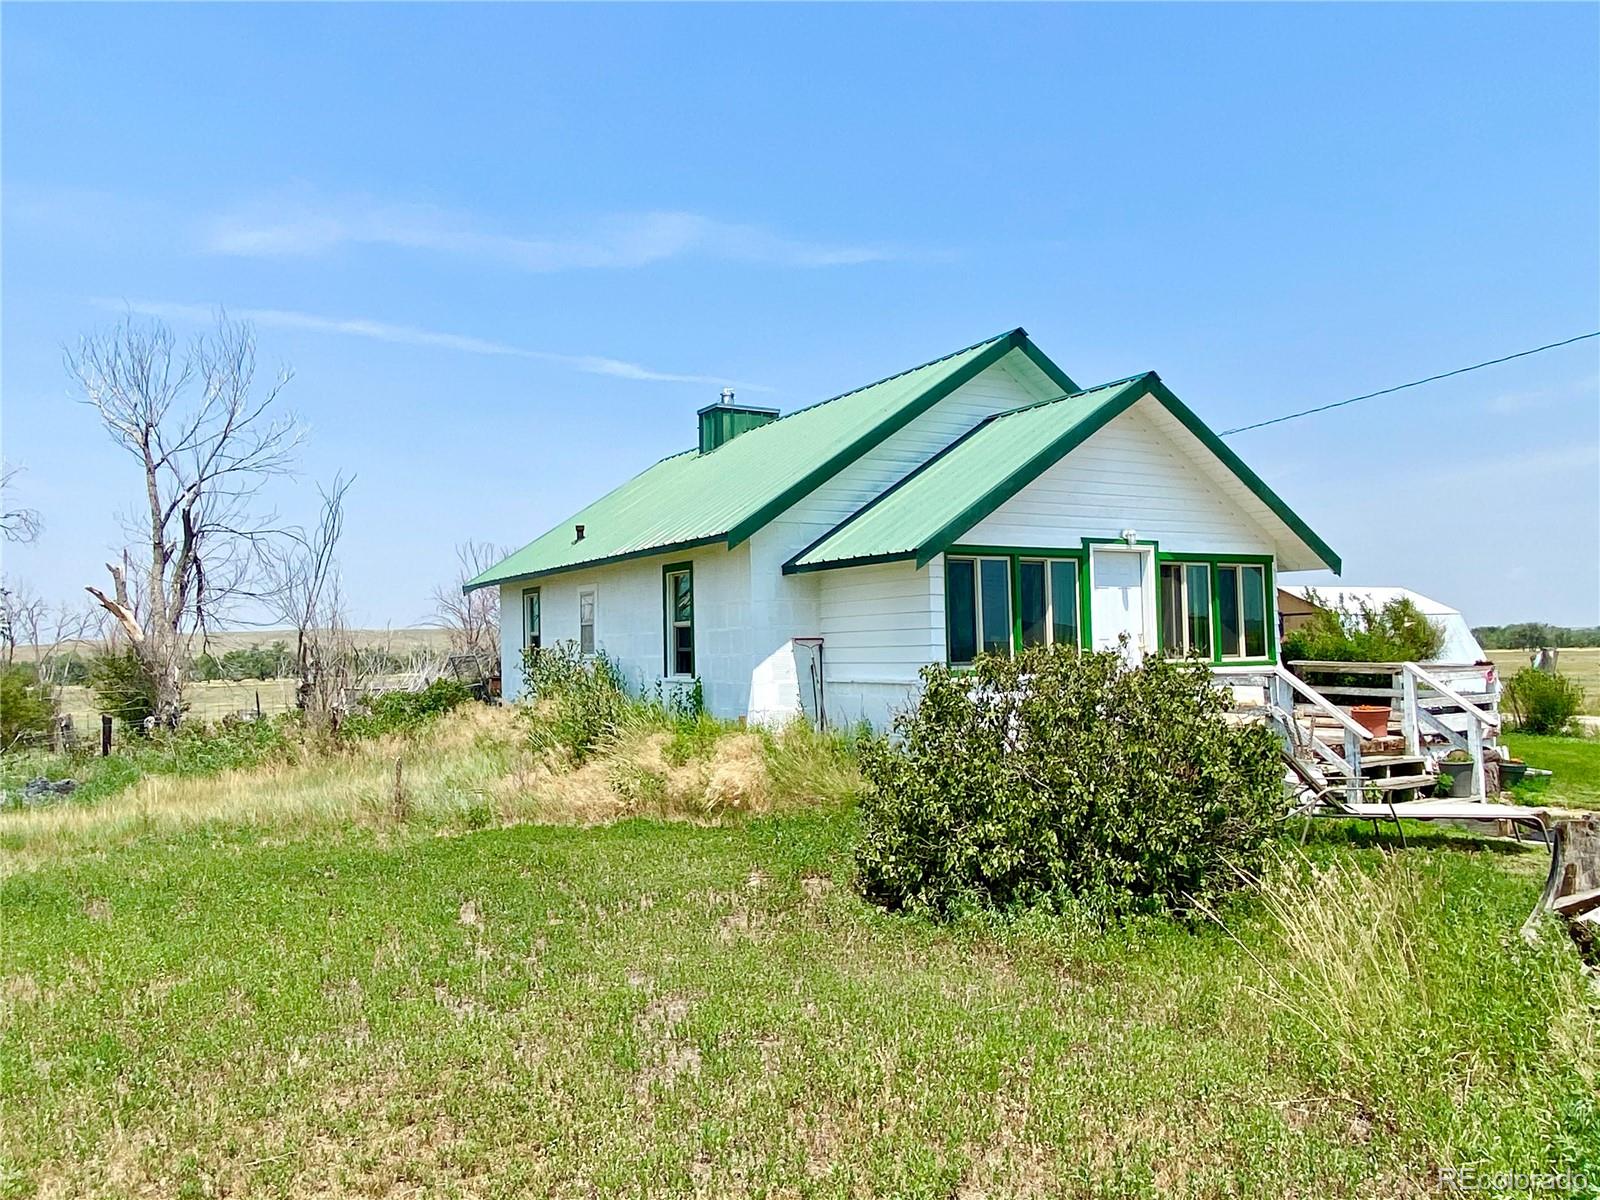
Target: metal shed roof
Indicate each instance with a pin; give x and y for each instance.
(929, 510)
(693, 499)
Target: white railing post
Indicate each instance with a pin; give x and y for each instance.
(1409, 724)
(1475, 740)
(1352, 758)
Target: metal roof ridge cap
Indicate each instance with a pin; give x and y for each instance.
(1019, 331)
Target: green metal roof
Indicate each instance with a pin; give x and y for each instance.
(928, 511)
(694, 499)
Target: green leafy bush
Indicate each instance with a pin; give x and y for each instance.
(123, 687)
(401, 712)
(1397, 632)
(1057, 777)
(1543, 701)
(27, 710)
(580, 702)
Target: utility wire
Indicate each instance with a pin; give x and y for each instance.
(1306, 412)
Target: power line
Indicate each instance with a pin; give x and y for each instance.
(1306, 412)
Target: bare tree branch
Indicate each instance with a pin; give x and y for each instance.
(203, 469)
(302, 588)
(19, 524)
(472, 618)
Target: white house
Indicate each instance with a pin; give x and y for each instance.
(811, 563)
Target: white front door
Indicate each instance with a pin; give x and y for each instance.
(1120, 599)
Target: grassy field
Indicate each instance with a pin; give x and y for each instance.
(524, 980)
(1575, 763)
(208, 700)
(1582, 663)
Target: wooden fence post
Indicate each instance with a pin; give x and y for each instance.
(105, 735)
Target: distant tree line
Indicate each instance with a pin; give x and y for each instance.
(1531, 635)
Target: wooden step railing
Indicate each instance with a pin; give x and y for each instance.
(1311, 755)
(1415, 714)
(1297, 711)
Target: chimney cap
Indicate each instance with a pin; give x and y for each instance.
(727, 395)
(578, 533)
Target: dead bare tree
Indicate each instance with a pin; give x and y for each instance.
(207, 440)
(19, 523)
(47, 634)
(472, 618)
(302, 590)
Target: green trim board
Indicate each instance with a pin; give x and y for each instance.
(827, 470)
(727, 494)
(913, 517)
(668, 645)
(529, 632)
(1015, 556)
(1081, 555)
(928, 510)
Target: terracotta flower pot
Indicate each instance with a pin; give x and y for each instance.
(1374, 718)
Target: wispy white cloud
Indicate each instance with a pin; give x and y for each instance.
(299, 228)
(410, 335)
(1505, 404)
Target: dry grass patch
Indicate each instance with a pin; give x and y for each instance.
(473, 768)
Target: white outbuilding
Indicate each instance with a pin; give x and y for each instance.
(1296, 601)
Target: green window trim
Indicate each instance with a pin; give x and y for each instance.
(532, 617)
(673, 653)
(1217, 563)
(1214, 564)
(1014, 557)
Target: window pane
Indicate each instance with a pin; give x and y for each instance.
(1228, 600)
(1253, 583)
(682, 596)
(1064, 602)
(961, 617)
(682, 650)
(994, 576)
(586, 622)
(1172, 628)
(1198, 598)
(1035, 629)
(531, 602)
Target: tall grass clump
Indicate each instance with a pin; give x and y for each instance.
(1056, 777)
(580, 703)
(1395, 990)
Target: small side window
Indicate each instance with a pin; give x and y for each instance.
(679, 633)
(586, 621)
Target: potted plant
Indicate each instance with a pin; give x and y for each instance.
(1512, 771)
(1455, 775)
(1374, 718)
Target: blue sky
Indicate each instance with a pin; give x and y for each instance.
(509, 250)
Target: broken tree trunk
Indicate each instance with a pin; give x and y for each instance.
(1572, 890)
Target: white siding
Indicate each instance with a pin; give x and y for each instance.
(880, 625)
(1129, 475)
(629, 622)
(828, 603)
(993, 391)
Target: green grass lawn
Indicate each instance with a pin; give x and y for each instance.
(659, 1008)
(227, 972)
(1574, 761)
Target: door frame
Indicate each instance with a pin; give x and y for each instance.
(1147, 590)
